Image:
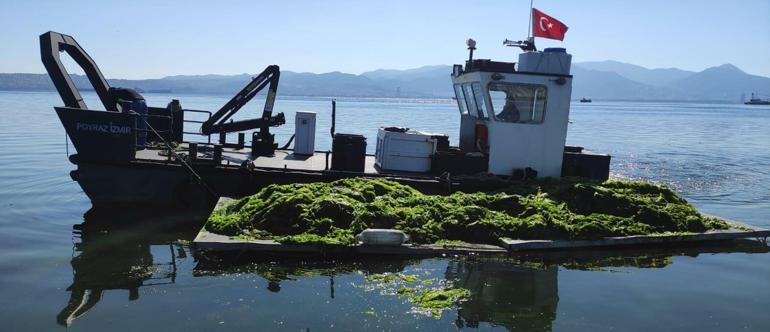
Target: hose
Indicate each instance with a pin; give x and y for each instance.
(288, 143)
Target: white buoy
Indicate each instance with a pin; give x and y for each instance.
(382, 237)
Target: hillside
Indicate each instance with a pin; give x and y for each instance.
(604, 80)
(654, 77)
(725, 82)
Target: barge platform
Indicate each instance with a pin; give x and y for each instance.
(213, 242)
(221, 243)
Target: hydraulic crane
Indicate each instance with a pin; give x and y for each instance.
(263, 142)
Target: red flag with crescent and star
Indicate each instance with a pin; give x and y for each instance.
(546, 26)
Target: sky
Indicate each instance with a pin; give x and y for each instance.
(152, 39)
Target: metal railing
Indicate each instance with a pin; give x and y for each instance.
(156, 131)
(208, 137)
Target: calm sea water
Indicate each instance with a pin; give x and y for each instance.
(142, 276)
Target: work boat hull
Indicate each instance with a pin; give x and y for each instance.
(155, 179)
(161, 181)
(513, 128)
(114, 184)
(111, 170)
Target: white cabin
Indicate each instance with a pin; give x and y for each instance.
(516, 116)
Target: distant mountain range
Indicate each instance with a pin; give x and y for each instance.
(617, 80)
(603, 80)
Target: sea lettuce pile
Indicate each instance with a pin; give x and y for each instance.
(329, 213)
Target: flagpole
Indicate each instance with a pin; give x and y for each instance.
(529, 26)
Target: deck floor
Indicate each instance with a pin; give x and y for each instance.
(281, 158)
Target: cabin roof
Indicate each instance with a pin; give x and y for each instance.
(490, 66)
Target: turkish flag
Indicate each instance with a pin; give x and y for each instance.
(546, 26)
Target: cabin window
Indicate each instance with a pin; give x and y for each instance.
(518, 103)
(479, 94)
(470, 100)
(461, 99)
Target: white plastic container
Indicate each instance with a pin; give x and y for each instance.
(304, 133)
(382, 237)
(409, 151)
(551, 61)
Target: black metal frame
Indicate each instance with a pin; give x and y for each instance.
(218, 121)
(263, 142)
(51, 44)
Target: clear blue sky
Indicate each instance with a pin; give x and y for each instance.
(151, 39)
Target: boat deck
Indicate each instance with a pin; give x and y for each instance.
(282, 159)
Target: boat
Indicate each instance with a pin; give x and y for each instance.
(585, 100)
(757, 101)
(513, 126)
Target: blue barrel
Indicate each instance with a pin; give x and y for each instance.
(140, 107)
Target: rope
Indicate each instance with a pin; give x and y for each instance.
(179, 158)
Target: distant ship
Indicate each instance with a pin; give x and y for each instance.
(585, 100)
(757, 101)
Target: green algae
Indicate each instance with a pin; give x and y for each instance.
(430, 301)
(336, 237)
(435, 301)
(391, 278)
(307, 239)
(332, 213)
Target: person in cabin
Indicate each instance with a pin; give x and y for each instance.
(510, 112)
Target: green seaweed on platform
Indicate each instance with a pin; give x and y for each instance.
(332, 213)
(340, 238)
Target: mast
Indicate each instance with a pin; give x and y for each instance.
(527, 45)
(529, 25)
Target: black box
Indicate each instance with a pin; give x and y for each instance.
(348, 152)
(457, 163)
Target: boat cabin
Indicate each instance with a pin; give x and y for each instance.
(516, 116)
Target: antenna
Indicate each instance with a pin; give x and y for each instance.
(471, 47)
(529, 26)
(525, 45)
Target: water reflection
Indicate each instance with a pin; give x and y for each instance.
(506, 295)
(125, 252)
(517, 292)
(520, 292)
(114, 251)
(286, 268)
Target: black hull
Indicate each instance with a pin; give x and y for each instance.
(111, 184)
(171, 185)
